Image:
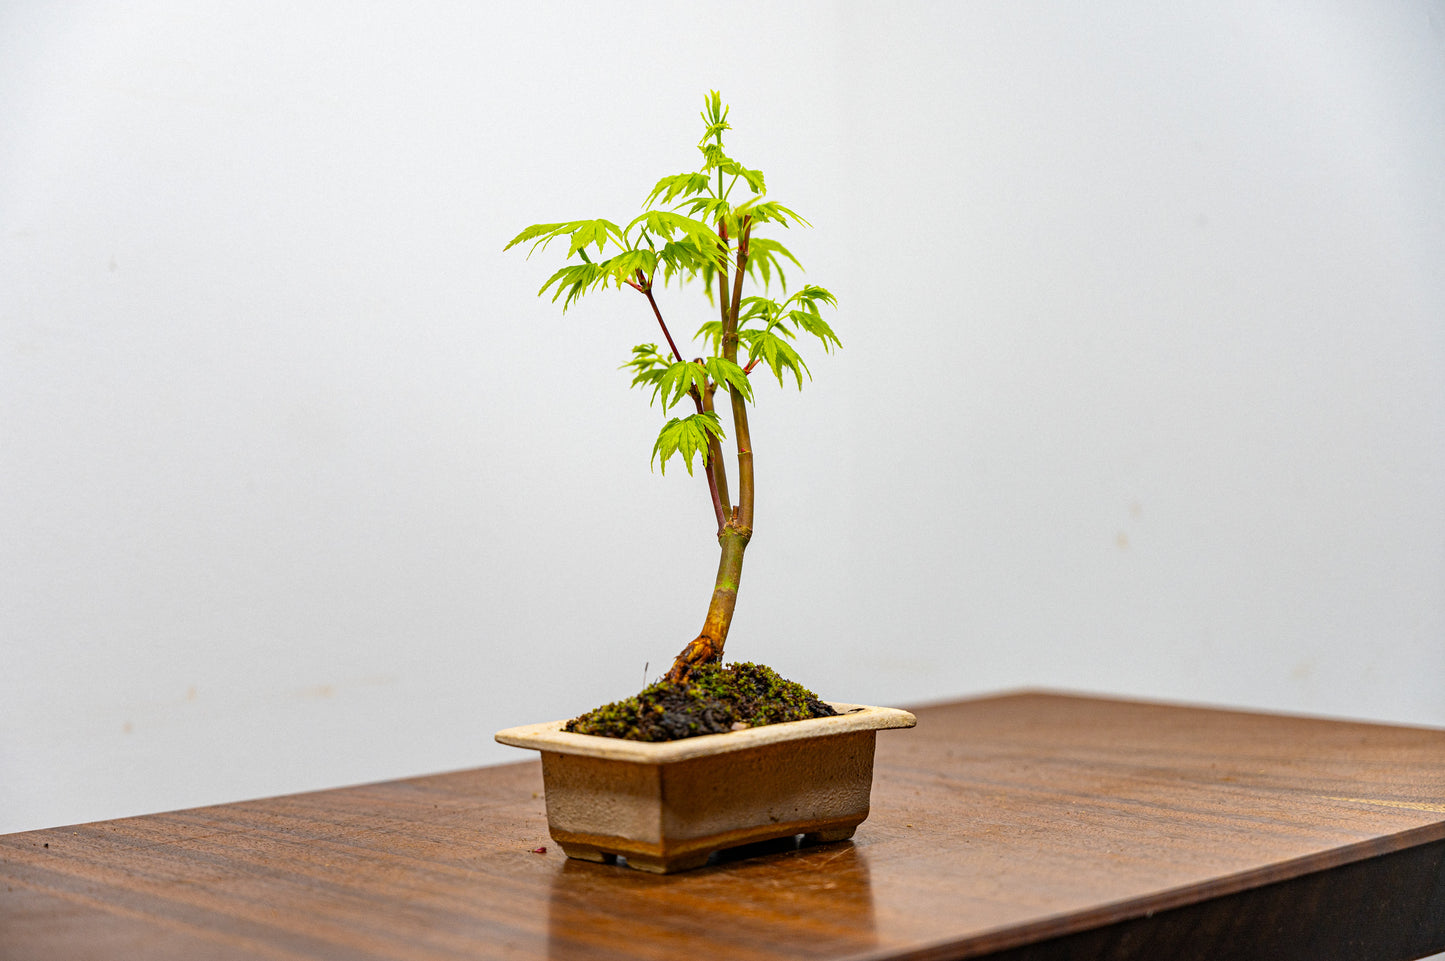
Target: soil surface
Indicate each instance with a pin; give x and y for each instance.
(714, 700)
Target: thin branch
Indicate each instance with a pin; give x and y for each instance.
(714, 457)
(647, 292)
(713, 449)
(717, 471)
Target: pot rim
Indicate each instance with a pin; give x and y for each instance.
(851, 717)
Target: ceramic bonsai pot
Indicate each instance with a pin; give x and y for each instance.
(666, 806)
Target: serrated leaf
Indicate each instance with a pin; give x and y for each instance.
(763, 253)
(723, 371)
(678, 185)
(587, 232)
(574, 280)
(714, 157)
(770, 246)
(581, 234)
(770, 211)
(667, 223)
(757, 308)
(678, 379)
(712, 332)
(813, 294)
(763, 267)
(531, 233)
(624, 266)
(776, 352)
(707, 274)
(811, 323)
(687, 436)
(647, 366)
(711, 209)
(684, 258)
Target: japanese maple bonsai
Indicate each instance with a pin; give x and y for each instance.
(706, 226)
(668, 806)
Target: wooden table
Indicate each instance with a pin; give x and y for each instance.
(1022, 826)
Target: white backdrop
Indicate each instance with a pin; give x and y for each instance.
(1142, 389)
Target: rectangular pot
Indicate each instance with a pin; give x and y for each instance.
(667, 806)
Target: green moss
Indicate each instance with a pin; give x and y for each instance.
(712, 701)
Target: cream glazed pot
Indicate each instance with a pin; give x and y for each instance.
(666, 806)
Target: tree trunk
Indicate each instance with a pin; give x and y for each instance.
(707, 647)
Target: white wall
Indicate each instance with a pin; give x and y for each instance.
(1143, 388)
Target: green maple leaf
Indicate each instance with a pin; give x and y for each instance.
(687, 436)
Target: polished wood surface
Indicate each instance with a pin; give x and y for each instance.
(1021, 826)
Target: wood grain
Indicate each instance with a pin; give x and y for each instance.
(1019, 826)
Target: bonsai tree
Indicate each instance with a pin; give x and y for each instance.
(706, 226)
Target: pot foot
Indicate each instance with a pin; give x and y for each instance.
(828, 835)
(669, 865)
(586, 852)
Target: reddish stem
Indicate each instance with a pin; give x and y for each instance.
(647, 292)
(712, 483)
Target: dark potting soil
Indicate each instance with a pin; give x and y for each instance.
(713, 700)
